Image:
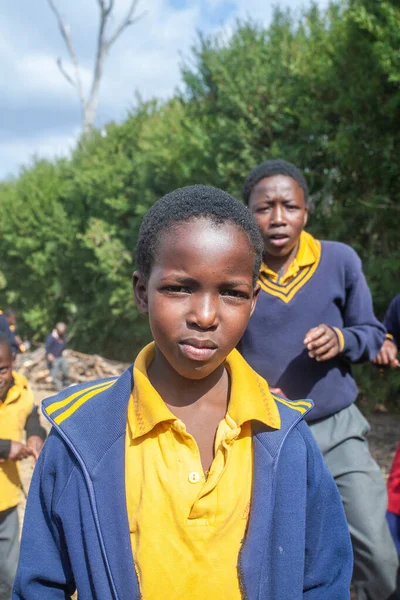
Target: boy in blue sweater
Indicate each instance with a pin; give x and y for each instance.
(314, 317)
(185, 478)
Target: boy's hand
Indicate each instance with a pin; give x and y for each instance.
(50, 358)
(322, 343)
(34, 443)
(387, 355)
(19, 451)
(278, 392)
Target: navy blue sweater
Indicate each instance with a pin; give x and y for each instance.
(54, 345)
(392, 320)
(76, 529)
(337, 295)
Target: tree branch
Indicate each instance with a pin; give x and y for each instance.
(64, 73)
(126, 22)
(90, 101)
(105, 10)
(110, 7)
(66, 35)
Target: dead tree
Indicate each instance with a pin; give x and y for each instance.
(89, 101)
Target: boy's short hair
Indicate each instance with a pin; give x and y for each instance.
(269, 169)
(189, 203)
(5, 342)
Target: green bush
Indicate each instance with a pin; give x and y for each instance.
(320, 89)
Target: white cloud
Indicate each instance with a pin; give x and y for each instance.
(46, 146)
(43, 109)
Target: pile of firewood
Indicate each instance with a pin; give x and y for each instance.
(82, 367)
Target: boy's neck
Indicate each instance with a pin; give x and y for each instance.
(280, 263)
(180, 392)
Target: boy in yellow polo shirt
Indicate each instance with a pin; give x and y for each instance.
(17, 412)
(185, 478)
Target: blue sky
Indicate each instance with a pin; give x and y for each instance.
(40, 112)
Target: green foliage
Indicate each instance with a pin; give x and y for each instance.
(36, 241)
(320, 89)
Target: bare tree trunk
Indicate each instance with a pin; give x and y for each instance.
(89, 102)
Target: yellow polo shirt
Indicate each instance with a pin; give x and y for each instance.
(308, 253)
(186, 529)
(14, 411)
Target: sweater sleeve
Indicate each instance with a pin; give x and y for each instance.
(329, 555)
(362, 335)
(44, 570)
(5, 447)
(49, 344)
(33, 426)
(392, 320)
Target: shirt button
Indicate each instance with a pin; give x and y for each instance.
(194, 477)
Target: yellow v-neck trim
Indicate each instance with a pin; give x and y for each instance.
(299, 272)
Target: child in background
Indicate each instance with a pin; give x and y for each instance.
(56, 362)
(314, 317)
(8, 321)
(388, 357)
(185, 479)
(17, 412)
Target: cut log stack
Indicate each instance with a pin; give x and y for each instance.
(82, 367)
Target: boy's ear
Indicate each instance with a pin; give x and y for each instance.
(256, 293)
(140, 292)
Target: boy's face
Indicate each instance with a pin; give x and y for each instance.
(277, 203)
(12, 320)
(199, 296)
(6, 365)
(61, 329)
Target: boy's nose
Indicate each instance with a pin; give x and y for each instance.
(204, 312)
(277, 215)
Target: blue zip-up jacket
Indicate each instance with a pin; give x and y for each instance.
(76, 532)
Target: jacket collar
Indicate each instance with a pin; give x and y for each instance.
(82, 414)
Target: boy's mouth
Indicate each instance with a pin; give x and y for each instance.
(278, 239)
(198, 349)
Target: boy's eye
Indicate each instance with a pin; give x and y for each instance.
(262, 209)
(292, 207)
(235, 294)
(175, 289)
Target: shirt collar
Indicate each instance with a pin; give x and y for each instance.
(307, 254)
(19, 384)
(250, 398)
(146, 408)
